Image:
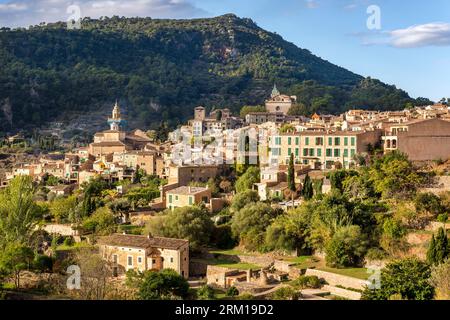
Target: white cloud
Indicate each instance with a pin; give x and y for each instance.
(30, 12)
(430, 34)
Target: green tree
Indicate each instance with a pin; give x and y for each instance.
(206, 293)
(190, 223)
(250, 223)
(408, 278)
(286, 293)
(18, 211)
(242, 199)
(431, 252)
(291, 175)
(308, 190)
(394, 176)
(14, 259)
(166, 284)
(346, 248)
(62, 208)
(248, 179)
(249, 109)
(442, 249)
(102, 222)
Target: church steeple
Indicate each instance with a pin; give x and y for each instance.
(275, 91)
(116, 120)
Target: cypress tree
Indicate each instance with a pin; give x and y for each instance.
(441, 246)
(308, 191)
(291, 174)
(431, 253)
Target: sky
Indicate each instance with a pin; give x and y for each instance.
(406, 43)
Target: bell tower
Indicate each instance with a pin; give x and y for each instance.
(116, 122)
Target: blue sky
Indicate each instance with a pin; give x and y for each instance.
(411, 50)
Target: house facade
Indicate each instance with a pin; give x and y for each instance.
(142, 253)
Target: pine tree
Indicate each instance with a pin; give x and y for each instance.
(308, 191)
(431, 253)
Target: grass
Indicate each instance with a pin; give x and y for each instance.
(228, 264)
(76, 245)
(359, 273)
(230, 252)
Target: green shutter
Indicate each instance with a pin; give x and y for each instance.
(345, 141)
(353, 141)
(170, 198)
(289, 141)
(307, 141)
(319, 152)
(297, 141)
(330, 141)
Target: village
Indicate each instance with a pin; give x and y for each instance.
(219, 165)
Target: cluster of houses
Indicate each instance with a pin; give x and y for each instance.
(208, 145)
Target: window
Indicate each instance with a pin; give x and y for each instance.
(337, 152)
(305, 152)
(176, 198)
(352, 152)
(297, 141)
(319, 141)
(329, 153)
(130, 260)
(307, 141)
(330, 141)
(353, 140)
(289, 151)
(170, 198)
(345, 153)
(171, 259)
(319, 152)
(337, 141)
(191, 200)
(278, 141)
(153, 261)
(289, 141)
(311, 152)
(296, 152)
(139, 259)
(345, 141)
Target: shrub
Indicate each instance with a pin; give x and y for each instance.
(206, 293)
(232, 292)
(303, 282)
(286, 293)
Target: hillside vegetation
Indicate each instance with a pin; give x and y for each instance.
(161, 69)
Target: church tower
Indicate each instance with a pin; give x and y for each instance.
(116, 122)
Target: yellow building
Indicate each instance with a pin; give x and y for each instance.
(187, 196)
(141, 253)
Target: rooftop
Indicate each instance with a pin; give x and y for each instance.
(185, 190)
(135, 241)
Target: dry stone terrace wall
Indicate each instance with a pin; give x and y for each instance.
(338, 280)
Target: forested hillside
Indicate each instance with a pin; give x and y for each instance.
(161, 69)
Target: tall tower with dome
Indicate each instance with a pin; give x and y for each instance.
(116, 122)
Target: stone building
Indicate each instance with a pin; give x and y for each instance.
(279, 102)
(187, 196)
(142, 253)
(423, 140)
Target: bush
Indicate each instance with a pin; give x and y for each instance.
(286, 293)
(232, 292)
(303, 282)
(346, 248)
(443, 218)
(68, 241)
(42, 263)
(376, 254)
(206, 293)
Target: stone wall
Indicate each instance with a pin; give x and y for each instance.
(348, 294)
(61, 229)
(338, 280)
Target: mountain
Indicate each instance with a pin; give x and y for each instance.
(161, 69)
